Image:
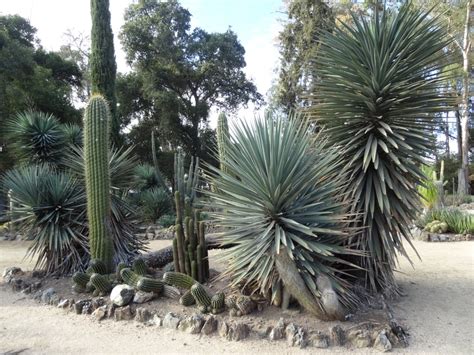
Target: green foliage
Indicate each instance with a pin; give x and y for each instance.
(145, 177)
(378, 95)
(35, 137)
(102, 62)
(184, 71)
(167, 220)
(72, 134)
(299, 44)
(428, 190)
(457, 221)
(51, 208)
(153, 204)
(286, 200)
(97, 178)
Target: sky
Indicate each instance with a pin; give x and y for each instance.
(256, 23)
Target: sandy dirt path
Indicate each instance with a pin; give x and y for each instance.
(438, 309)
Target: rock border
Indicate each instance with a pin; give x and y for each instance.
(381, 336)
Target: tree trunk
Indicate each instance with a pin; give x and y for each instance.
(459, 135)
(446, 133)
(463, 182)
(294, 283)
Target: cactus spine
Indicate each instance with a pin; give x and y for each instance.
(222, 139)
(96, 143)
(189, 245)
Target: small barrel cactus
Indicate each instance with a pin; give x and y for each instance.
(179, 279)
(200, 295)
(147, 284)
(187, 299)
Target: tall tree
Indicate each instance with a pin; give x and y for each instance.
(185, 72)
(31, 77)
(102, 61)
(299, 43)
(456, 16)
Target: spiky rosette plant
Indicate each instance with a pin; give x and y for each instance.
(50, 207)
(282, 211)
(378, 93)
(35, 137)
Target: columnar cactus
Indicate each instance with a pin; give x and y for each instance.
(96, 140)
(222, 139)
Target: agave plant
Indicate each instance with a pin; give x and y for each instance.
(377, 98)
(145, 177)
(282, 211)
(35, 137)
(51, 208)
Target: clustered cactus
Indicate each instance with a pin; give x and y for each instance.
(436, 227)
(189, 245)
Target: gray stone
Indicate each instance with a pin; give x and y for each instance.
(142, 315)
(337, 335)
(192, 324)
(278, 332)
(122, 295)
(47, 294)
(171, 321)
(79, 305)
(97, 302)
(296, 336)
(382, 343)
(320, 340)
(123, 313)
(10, 272)
(64, 303)
(54, 300)
(100, 313)
(210, 326)
(87, 307)
(359, 338)
(237, 332)
(142, 297)
(111, 310)
(156, 320)
(223, 329)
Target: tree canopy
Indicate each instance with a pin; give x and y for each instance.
(183, 71)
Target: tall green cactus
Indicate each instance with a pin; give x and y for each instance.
(96, 140)
(222, 139)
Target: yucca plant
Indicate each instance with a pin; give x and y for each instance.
(377, 96)
(72, 134)
(50, 205)
(154, 203)
(35, 137)
(283, 213)
(145, 177)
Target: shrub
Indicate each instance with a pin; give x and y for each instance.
(154, 203)
(167, 220)
(457, 221)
